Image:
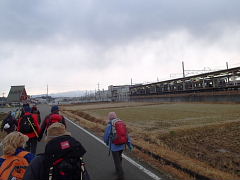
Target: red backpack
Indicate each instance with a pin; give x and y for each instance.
(53, 118)
(119, 132)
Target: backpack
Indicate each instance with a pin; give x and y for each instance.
(53, 118)
(64, 158)
(8, 123)
(14, 167)
(119, 132)
(27, 124)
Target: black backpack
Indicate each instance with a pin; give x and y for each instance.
(9, 120)
(27, 124)
(64, 158)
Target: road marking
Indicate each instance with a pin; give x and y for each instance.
(146, 171)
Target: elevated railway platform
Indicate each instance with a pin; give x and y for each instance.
(220, 86)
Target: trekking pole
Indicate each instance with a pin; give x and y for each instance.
(33, 128)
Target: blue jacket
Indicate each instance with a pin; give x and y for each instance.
(107, 140)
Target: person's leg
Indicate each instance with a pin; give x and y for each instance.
(28, 145)
(33, 145)
(117, 158)
(120, 155)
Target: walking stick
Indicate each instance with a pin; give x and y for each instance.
(110, 147)
(33, 127)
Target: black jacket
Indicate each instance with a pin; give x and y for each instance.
(39, 167)
(11, 121)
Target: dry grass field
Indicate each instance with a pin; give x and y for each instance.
(202, 137)
(2, 116)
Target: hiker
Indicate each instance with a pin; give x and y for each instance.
(36, 111)
(28, 125)
(18, 113)
(15, 159)
(53, 117)
(61, 159)
(116, 137)
(24, 106)
(9, 124)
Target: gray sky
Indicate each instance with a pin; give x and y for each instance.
(76, 44)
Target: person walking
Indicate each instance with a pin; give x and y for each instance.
(18, 113)
(28, 124)
(36, 111)
(15, 159)
(62, 158)
(9, 124)
(53, 117)
(116, 137)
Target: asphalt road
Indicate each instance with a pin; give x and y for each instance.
(99, 165)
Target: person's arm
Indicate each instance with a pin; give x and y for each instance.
(35, 169)
(107, 134)
(36, 122)
(19, 123)
(63, 121)
(43, 127)
(129, 143)
(39, 117)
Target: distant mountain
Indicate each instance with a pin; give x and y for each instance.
(67, 94)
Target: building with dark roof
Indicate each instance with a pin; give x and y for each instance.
(17, 94)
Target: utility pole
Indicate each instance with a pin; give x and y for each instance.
(131, 81)
(183, 69)
(183, 75)
(227, 76)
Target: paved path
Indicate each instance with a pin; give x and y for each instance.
(99, 164)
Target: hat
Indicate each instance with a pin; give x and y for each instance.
(112, 115)
(55, 130)
(54, 108)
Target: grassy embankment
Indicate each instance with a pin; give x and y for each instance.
(2, 116)
(201, 137)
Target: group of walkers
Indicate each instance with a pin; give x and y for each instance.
(63, 155)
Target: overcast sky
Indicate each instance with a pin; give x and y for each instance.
(76, 44)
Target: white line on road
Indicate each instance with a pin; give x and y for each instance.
(149, 173)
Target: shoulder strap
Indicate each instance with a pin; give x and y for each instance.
(114, 121)
(23, 154)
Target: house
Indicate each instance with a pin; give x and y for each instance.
(17, 94)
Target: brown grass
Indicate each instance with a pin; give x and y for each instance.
(188, 134)
(2, 116)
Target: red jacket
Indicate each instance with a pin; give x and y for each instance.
(36, 122)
